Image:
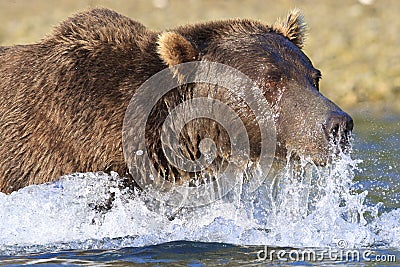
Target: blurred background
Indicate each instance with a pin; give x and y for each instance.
(354, 42)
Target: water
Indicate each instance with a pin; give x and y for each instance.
(349, 215)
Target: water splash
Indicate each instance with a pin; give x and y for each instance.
(302, 206)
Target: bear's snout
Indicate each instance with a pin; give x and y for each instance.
(337, 128)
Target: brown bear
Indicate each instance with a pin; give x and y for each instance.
(63, 99)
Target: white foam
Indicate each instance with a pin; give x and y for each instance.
(311, 208)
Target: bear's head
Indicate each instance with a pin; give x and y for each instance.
(307, 123)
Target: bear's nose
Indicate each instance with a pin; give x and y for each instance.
(338, 126)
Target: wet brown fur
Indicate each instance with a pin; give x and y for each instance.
(63, 99)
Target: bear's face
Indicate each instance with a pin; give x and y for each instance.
(290, 84)
(307, 123)
(305, 119)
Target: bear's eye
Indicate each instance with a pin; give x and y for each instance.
(316, 77)
(315, 83)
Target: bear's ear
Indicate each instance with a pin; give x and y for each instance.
(174, 49)
(294, 27)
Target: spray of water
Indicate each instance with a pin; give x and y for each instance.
(299, 205)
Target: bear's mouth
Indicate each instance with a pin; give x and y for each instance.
(340, 141)
(332, 147)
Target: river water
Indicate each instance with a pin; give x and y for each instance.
(349, 216)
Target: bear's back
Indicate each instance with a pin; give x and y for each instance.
(68, 93)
